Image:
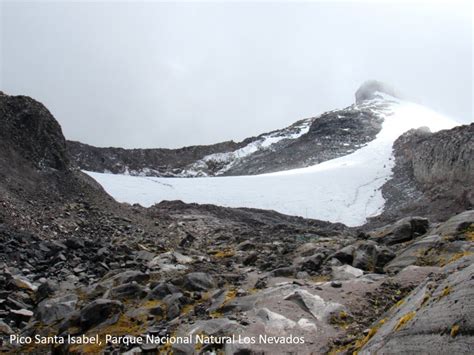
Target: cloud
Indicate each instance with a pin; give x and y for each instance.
(160, 74)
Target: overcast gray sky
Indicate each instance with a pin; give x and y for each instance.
(154, 74)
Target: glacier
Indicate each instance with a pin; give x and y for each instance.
(346, 189)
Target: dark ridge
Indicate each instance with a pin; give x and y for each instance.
(30, 131)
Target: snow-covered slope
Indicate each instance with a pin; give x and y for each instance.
(227, 160)
(345, 189)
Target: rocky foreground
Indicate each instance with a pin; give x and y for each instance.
(80, 273)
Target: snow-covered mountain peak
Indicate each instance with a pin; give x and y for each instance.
(327, 136)
(343, 157)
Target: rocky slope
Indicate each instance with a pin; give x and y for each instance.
(74, 262)
(148, 162)
(433, 174)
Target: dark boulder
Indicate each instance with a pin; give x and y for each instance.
(365, 255)
(198, 281)
(312, 263)
(174, 304)
(162, 290)
(401, 231)
(130, 290)
(369, 256)
(98, 312)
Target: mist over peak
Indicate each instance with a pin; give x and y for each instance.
(369, 89)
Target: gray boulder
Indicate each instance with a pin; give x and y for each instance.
(5, 328)
(128, 276)
(46, 289)
(212, 327)
(162, 290)
(371, 257)
(314, 304)
(130, 290)
(23, 283)
(240, 304)
(345, 255)
(312, 263)
(198, 281)
(433, 250)
(53, 309)
(455, 224)
(365, 255)
(174, 304)
(345, 272)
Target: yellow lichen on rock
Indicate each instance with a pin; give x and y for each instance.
(398, 304)
(340, 350)
(360, 343)
(341, 319)
(446, 291)
(187, 308)
(454, 330)
(458, 256)
(320, 278)
(230, 295)
(152, 304)
(225, 253)
(372, 331)
(470, 233)
(404, 320)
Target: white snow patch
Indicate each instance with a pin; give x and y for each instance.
(345, 189)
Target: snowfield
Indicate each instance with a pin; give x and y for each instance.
(346, 189)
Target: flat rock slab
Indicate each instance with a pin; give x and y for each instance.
(436, 318)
